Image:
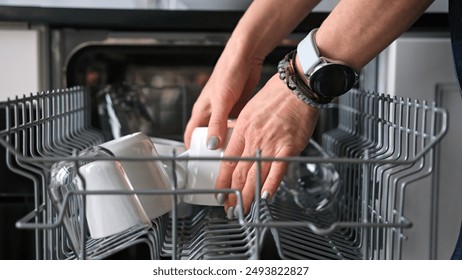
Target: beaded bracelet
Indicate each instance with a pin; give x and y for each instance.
(294, 82)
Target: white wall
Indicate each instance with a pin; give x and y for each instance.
(19, 62)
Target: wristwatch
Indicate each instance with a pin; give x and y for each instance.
(325, 77)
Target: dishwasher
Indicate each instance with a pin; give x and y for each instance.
(382, 146)
(116, 75)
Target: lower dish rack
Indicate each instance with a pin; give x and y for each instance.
(382, 146)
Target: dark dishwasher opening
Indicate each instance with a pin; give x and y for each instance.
(152, 87)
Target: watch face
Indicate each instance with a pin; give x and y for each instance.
(332, 80)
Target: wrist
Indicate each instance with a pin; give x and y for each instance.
(326, 77)
(294, 81)
(298, 68)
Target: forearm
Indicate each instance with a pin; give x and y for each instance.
(265, 24)
(358, 30)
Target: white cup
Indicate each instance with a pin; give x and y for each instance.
(111, 214)
(166, 147)
(202, 174)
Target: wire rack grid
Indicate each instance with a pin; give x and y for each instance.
(382, 146)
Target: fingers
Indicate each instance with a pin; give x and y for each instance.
(245, 179)
(274, 178)
(193, 123)
(215, 116)
(246, 176)
(242, 175)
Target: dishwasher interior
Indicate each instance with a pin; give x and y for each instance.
(380, 147)
(113, 83)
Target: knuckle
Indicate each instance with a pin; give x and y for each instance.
(228, 164)
(239, 177)
(216, 123)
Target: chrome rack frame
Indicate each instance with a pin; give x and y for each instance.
(382, 146)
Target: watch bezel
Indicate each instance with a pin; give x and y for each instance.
(312, 62)
(335, 84)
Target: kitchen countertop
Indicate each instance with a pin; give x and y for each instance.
(164, 20)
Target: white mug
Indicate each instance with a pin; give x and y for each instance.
(167, 147)
(202, 174)
(110, 214)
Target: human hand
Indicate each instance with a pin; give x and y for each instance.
(278, 124)
(225, 94)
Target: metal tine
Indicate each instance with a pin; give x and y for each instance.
(213, 228)
(365, 133)
(55, 144)
(403, 172)
(40, 134)
(82, 119)
(51, 128)
(207, 233)
(61, 123)
(120, 244)
(43, 131)
(17, 166)
(104, 247)
(281, 210)
(193, 249)
(422, 169)
(385, 147)
(352, 138)
(202, 220)
(337, 237)
(21, 136)
(392, 120)
(298, 253)
(393, 143)
(57, 124)
(367, 128)
(242, 252)
(28, 111)
(287, 237)
(206, 230)
(334, 235)
(378, 171)
(379, 192)
(212, 232)
(74, 113)
(187, 226)
(306, 247)
(393, 154)
(70, 113)
(347, 132)
(229, 243)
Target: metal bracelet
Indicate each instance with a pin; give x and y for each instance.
(294, 82)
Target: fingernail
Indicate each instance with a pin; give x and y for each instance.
(221, 197)
(230, 213)
(212, 142)
(265, 195)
